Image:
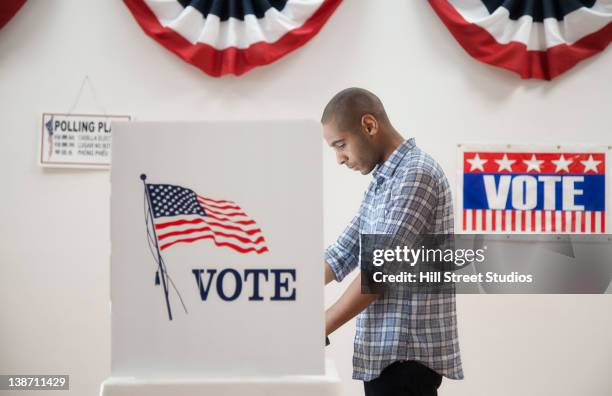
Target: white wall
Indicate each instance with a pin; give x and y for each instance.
(54, 280)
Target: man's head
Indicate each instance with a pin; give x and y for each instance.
(354, 125)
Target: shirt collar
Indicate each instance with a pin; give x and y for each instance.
(387, 168)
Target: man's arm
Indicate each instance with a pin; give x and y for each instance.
(329, 274)
(348, 305)
(342, 256)
(340, 259)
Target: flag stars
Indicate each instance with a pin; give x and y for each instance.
(540, 162)
(533, 164)
(505, 164)
(590, 164)
(174, 201)
(476, 163)
(562, 164)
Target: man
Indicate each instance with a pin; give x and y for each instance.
(404, 342)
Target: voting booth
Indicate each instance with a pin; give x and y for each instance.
(216, 280)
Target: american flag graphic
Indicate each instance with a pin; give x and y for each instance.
(533, 192)
(182, 216)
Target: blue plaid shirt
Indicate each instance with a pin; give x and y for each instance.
(409, 195)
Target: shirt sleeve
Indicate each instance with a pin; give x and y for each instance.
(343, 255)
(412, 206)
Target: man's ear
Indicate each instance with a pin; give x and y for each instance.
(369, 124)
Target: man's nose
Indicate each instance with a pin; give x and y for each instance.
(341, 158)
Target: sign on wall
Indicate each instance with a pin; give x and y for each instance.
(527, 189)
(216, 232)
(76, 140)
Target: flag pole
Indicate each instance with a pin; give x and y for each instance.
(162, 268)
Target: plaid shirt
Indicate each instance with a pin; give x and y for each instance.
(409, 195)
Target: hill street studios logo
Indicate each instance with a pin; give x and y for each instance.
(176, 215)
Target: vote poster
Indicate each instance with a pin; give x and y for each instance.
(561, 189)
(216, 244)
(76, 140)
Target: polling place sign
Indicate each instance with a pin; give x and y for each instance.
(533, 189)
(76, 140)
(216, 232)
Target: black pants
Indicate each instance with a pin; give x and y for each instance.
(405, 378)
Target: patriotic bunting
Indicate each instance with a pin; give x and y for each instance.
(8, 9)
(231, 36)
(535, 39)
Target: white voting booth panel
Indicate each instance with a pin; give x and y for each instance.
(321, 385)
(216, 282)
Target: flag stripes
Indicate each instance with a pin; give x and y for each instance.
(540, 221)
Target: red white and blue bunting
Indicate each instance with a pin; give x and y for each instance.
(231, 36)
(8, 9)
(534, 38)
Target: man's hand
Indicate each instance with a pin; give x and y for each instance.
(348, 305)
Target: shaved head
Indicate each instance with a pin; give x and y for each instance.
(346, 109)
(356, 127)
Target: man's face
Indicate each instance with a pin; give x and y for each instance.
(353, 149)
